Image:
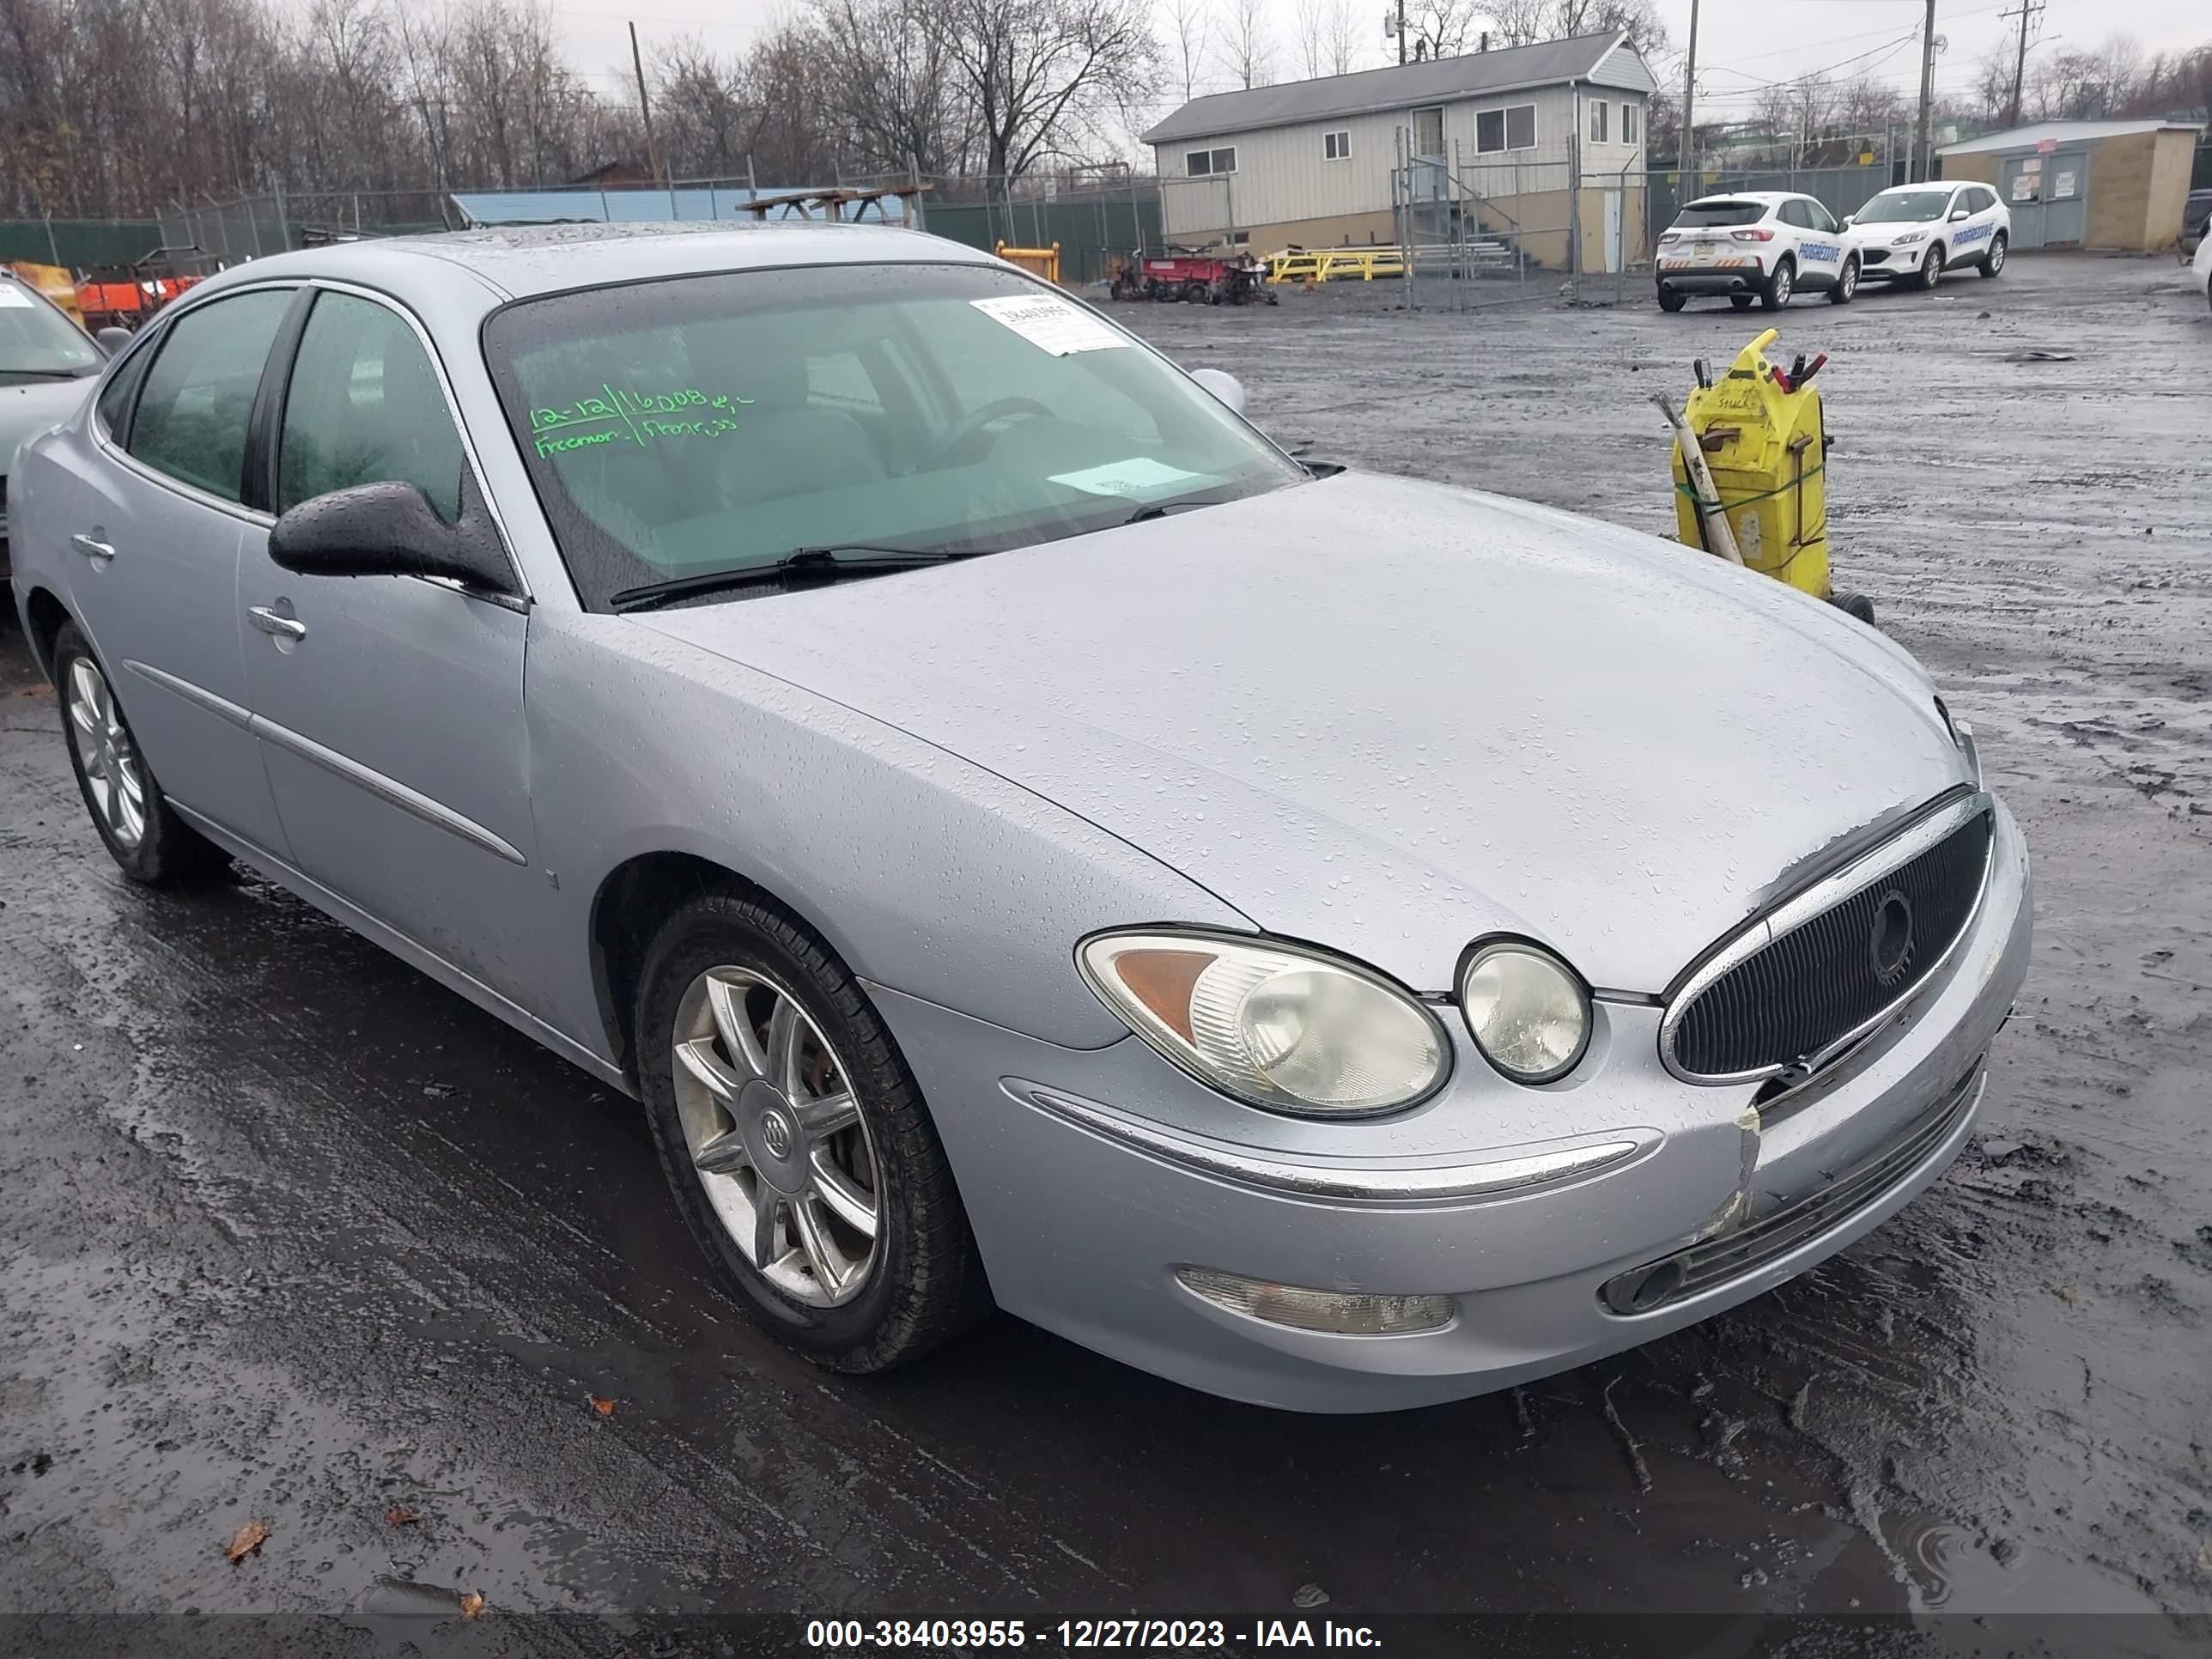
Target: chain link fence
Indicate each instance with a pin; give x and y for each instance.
(1096, 218)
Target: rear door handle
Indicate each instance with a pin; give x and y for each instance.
(269, 621)
(93, 548)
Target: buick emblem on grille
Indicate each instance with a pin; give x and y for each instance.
(1891, 938)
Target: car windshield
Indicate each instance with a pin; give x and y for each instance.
(678, 430)
(1907, 207)
(36, 340)
(1719, 211)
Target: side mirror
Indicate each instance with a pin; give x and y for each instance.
(112, 339)
(1223, 386)
(1848, 218)
(1958, 214)
(389, 529)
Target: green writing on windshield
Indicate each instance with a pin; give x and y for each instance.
(623, 414)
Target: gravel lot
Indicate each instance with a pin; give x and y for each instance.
(292, 1234)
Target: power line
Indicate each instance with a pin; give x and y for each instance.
(2019, 64)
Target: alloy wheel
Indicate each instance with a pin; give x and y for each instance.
(1784, 285)
(776, 1136)
(1996, 256)
(1932, 272)
(112, 775)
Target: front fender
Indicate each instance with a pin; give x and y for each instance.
(925, 872)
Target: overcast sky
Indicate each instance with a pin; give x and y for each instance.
(1742, 43)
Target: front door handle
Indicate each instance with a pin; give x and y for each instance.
(93, 549)
(284, 627)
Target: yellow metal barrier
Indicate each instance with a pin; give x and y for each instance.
(1037, 261)
(1329, 265)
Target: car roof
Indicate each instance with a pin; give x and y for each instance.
(1925, 184)
(514, 262)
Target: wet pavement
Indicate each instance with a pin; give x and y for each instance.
(291, 1234)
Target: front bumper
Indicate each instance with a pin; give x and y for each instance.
(1892, 261)
(1083, 1220)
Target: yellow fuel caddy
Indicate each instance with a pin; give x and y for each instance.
(1768, 450)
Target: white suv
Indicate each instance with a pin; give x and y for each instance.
(1915, 233)
(1763, 245)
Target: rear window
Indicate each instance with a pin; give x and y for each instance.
(1719, 211)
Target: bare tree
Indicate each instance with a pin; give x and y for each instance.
(889, 72)
(1247, 52)
(1041, 74)
(1313, 37)
(1442, 29)
(1190, 28)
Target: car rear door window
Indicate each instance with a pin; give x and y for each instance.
(193, 416)
(366, 406)
(1793, 213)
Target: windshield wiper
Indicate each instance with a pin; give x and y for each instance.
(47, 374)
(1161, 509)
(824, 564)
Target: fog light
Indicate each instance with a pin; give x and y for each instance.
(1345, 1313)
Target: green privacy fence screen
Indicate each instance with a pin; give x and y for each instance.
(80, 244)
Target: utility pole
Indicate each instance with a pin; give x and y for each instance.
(645, 109)
(1687, 148)
(1401, 31)
(2020, 63)
(1927, 95)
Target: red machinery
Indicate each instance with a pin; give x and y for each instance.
(1216, 279)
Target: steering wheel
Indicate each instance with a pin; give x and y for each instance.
(965, 428)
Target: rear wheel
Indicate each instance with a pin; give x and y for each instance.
(1847, 284)
(1670, 301)
(1993, 261)
(797, 1144)
(144, 834)
(1931, 268)
(1780, 287)
(1740, 301)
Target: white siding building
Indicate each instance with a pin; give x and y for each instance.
(1309, 163)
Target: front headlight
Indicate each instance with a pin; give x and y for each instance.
(1527, 1011)
(1907, 238)
(1273, 1025)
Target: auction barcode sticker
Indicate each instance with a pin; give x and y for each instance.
(1050, 324)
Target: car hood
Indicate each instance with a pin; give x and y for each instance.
(29, 408)
(1390, 717)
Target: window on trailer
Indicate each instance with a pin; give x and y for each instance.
(1498, 129)
(1203, 163)
(1597, 120)
(1336, 146)
(1628, 123)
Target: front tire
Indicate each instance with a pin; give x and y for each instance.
(1780, 287)
(1993, 262)
(143, 832)
(1847, 284)
(796, 1142)
(1931, 268)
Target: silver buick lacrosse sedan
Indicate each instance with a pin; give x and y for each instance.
(1025, 840)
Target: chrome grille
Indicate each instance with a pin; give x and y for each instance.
(1710, 1262)
(1868, 939)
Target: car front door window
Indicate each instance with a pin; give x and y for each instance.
(366, 407)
